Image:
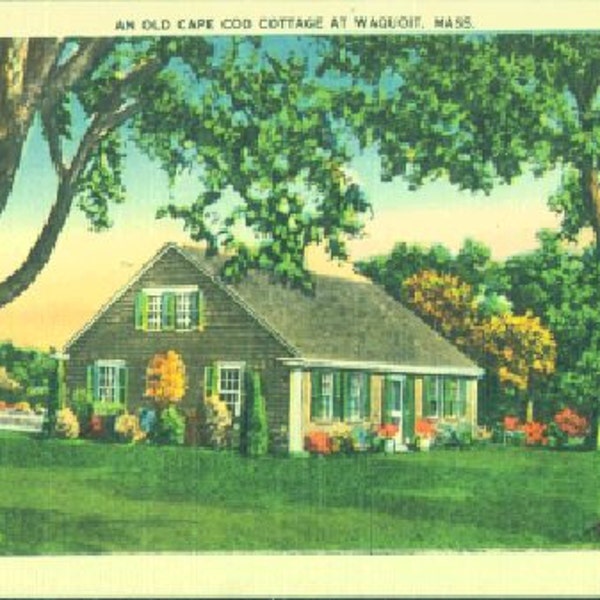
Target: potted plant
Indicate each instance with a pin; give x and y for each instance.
(387, 433)
(425, 431)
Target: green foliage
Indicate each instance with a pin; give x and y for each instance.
(32, 369)
(82, 407)
(489, 498)
(216, 422)
(67, 425)
(170, 427)
(256, 436)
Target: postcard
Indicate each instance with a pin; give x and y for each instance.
(299, 298)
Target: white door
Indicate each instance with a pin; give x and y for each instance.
(396, 400)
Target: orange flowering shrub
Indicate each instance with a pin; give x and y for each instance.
(387, 431)
(535, 433)
(511, 423)
(569, 422)
(318, 442)
(425, 428)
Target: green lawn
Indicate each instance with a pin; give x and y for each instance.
(62, 497)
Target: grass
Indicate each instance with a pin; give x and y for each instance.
(62, 497)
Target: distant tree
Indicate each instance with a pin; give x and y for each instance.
(519, 350)
(444, 302)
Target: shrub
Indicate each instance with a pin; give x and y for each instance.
(257, 434)
(83, 408)
(388, 430)
(570, 423)
(425, 428)
(535, 433)
(127, 427)
(217, 423)
(24, 407)
(67, 425)
(341, 438)
(511, 423)
(170, 427)
(318, 442)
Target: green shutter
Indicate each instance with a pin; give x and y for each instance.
(92, 382)
(346, 394)
(141, 311)
(211, 380)
(199, 310)
(123, 384)
(89, 383)
(168, 311)
(338, 396)
(367, 392)
(316, 395)
(387, 401)
(408, 417)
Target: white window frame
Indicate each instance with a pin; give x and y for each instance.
(326, 399)
(455, 401)
(154, 311)
(438, 399)
(232, 397)
(108, 368)
(357, 397)
(183, 309)
(183, 322)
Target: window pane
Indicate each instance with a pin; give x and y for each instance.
(183, 311)
(154, 312)
(110, 382)
(431, 400)
(230, 388)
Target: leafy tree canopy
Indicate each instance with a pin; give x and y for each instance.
(240, 115)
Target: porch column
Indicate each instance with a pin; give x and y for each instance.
(295, 427)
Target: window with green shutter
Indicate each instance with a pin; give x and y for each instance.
(432, 396)
(141, 311)
(177, 308)
(455, 396)
(322, 392)
(356, 395)
(168, 311)
(107, 381)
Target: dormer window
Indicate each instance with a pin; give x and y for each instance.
(178, 308)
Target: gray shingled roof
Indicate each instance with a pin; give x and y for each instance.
(345, 320)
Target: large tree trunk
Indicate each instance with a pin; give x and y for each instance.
(35, 76)
(25, 67)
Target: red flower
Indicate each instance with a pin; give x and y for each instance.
(425, 428)
(511, 423)
(535, 433)
(571, 423)
(318, 442)
(388, 430)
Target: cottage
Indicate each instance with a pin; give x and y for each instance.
(350, 353)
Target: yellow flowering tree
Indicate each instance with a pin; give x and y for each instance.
(519, 349)
(445, 302)
(166, 378)
(516, 350)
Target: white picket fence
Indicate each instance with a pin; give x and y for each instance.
(20, 421)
